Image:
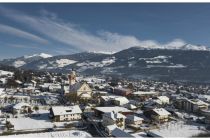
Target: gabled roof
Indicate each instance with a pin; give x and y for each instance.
(77, 86)
(161, 111)
(65, 110)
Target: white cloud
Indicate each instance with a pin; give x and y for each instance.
(51, 26)
(20, 33)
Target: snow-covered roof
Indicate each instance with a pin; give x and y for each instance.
(145, 93)
(114, 116)
(20, 105)
(18, 81)
(1, 91)
(161, 111)
(65, 110)
(2, 72)
(113, 108)
(122, 99)
(134, 118)
(198, 102)
(163, 98)
(111, 127)
(131, 106)
(117, 132)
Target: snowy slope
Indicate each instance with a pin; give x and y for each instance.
(43, 55)
(61, 134)
(18, 63)
(176, 47)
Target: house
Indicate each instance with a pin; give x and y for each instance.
(122, 91)
(81, 89)
(158, 114)
(163, 99)
(21, 108)
(29, 90)
(112, 118)
(144, 95)
(119, 101)
(133, 120)
(99, 111)
(113, 100)
(65, 113)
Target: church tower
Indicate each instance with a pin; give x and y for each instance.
(72, 78)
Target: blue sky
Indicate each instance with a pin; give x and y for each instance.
(69, 28)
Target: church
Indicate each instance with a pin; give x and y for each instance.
(80, 89)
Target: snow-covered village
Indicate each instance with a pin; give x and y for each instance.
(104, 70)
(52, 105)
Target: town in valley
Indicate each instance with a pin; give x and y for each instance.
(46, 104)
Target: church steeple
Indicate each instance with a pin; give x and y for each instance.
(72, 77)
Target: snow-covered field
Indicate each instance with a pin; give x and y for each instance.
(34, 123)
(71, 133)
(178, 129)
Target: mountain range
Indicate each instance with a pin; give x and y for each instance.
(186, 63)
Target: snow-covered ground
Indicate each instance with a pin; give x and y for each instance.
(2, 73)
(61, 134)
(35, 123)
(178, 129)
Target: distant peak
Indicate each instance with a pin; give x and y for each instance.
(43, 55)
(175, 47)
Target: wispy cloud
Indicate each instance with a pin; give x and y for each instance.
(20, 33)
(49, 25)
(21, 46)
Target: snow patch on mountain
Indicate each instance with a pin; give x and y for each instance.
(174, 46)
(42, 66)
(170, 66)
(18, 63)
(156, 60)
(64, 62)
(43, 55)
(104, 52)
(91, 65)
